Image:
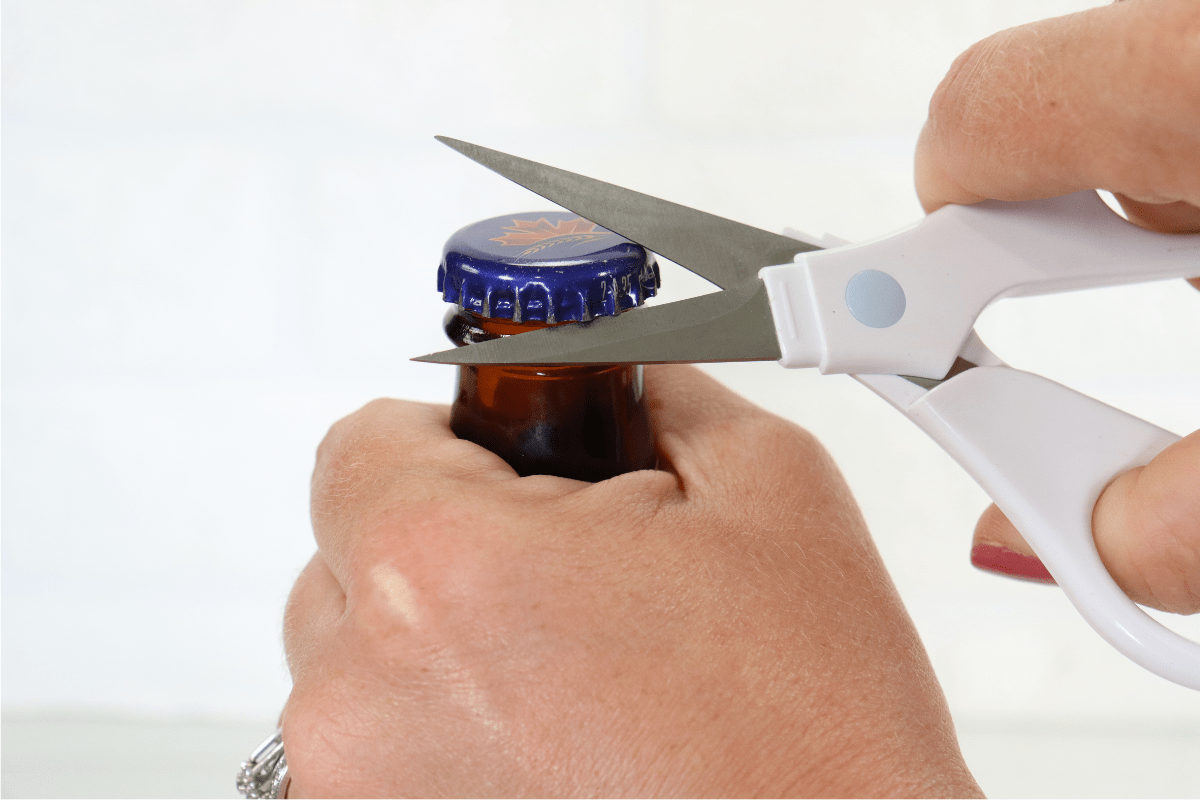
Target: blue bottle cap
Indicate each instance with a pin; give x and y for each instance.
(545, 266)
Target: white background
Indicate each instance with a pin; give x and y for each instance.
(222, 222)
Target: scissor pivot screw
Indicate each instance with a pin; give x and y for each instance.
(875, 299)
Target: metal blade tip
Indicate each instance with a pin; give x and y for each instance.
(453, 356)
(454, 144)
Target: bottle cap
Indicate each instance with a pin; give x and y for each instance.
(545, 266)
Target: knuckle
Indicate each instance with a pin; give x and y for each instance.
(364, 454)
(769, 436)
(340, 479)
(765, 455)
(350, 458)
(347, 432)
(997, 101)
(798, 487)
(311, 615)
(957, 101)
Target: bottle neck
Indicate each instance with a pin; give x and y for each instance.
(465, 327)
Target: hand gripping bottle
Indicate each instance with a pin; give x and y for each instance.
(522, 272)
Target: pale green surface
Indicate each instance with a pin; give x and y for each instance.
(87, 755)
(1083, 761)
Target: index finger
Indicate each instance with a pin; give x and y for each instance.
(1108, 98)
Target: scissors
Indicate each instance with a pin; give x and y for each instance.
(897, 313)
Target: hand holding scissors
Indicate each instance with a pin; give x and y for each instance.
(1095, 110)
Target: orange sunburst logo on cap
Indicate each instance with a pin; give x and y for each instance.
(538, 235)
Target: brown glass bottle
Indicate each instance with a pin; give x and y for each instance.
(584, 422)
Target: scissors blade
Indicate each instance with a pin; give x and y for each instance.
(725, 252)
(733, 325)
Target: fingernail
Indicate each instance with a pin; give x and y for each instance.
(1009, 562)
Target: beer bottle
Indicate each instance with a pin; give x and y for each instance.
(527, 271)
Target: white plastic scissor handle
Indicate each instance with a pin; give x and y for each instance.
(1044, 453)
(905, 303)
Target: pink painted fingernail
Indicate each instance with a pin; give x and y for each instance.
(1008, 562)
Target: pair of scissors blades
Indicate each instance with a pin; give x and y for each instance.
(897, 313)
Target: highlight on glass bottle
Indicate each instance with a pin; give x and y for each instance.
(521, 272)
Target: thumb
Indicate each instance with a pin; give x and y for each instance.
(1147, 530)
